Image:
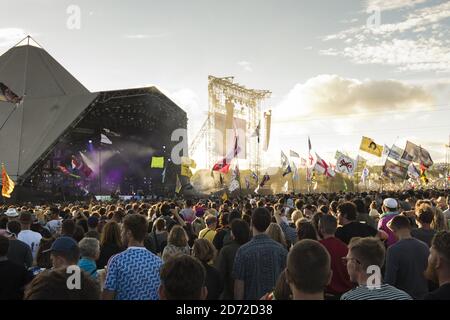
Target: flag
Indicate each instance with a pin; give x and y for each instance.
(111, 133)
(285, 164)
(286, 187)
(309, 145)
(224, 164)
(417, 154)
(302, 163)
(225, 196)
(314, 181)
(369, 146)
(7, 184)
(295, 175)
(293, 154)
(345, 164)
(265, 178)
(323, 167)
(364, 175)
(234, 185)
(67, 172)
(257, 131)
(360, 163)
(386, 150)
(338, 154)
(395, 169)
(413, 173)
(255, 177)
(7, 95)
(186, 171)
(423, 176)
(178, 185)
(79, 166)
(345, 186)
(395, 153)
(104, 139)
(189, 162)
(157, 162)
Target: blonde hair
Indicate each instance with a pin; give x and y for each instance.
(203, 250)
(275, 233)
(178, 237)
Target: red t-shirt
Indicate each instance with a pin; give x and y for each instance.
(340, 281)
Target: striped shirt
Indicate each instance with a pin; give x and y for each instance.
(385, 292)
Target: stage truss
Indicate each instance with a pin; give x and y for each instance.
(246, 106)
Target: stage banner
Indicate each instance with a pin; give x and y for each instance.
(157, 162)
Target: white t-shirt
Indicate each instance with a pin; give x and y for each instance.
(32, 239)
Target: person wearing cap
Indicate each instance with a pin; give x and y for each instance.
(64, 252)
(13, 276)
(19, 252)
(390, 210)
(31, 238)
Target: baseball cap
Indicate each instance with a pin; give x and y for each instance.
(11, 213)
(63, 244)
(390, 203)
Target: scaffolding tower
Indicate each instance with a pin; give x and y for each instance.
(246, 106)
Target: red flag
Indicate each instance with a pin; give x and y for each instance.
(224, 164)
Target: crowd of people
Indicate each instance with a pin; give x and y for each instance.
(339, 246)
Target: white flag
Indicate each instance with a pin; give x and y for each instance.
(345, 164)
(104, 139)
(286, 187)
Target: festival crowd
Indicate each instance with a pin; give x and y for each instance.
(339, 246)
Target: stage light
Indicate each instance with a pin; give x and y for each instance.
(90, 141)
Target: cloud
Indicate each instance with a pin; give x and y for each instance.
(10, 36)
(188, 100)
(245, 65)
(334, 95)
(419, 42)
(407, 55)
(386, 5)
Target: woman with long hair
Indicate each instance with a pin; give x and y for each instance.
(110, 243)
(275, 233)
(177, 243)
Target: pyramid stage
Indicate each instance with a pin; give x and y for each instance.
(64, 142)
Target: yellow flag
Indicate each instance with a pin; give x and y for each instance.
(369, 146)
(178, 185)
(157, 162)
(7, 184)
(189, 162)
(225, 197)
(186, 171)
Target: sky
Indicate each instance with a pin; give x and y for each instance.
(337, 70)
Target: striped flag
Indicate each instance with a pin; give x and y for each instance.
(7, 184)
